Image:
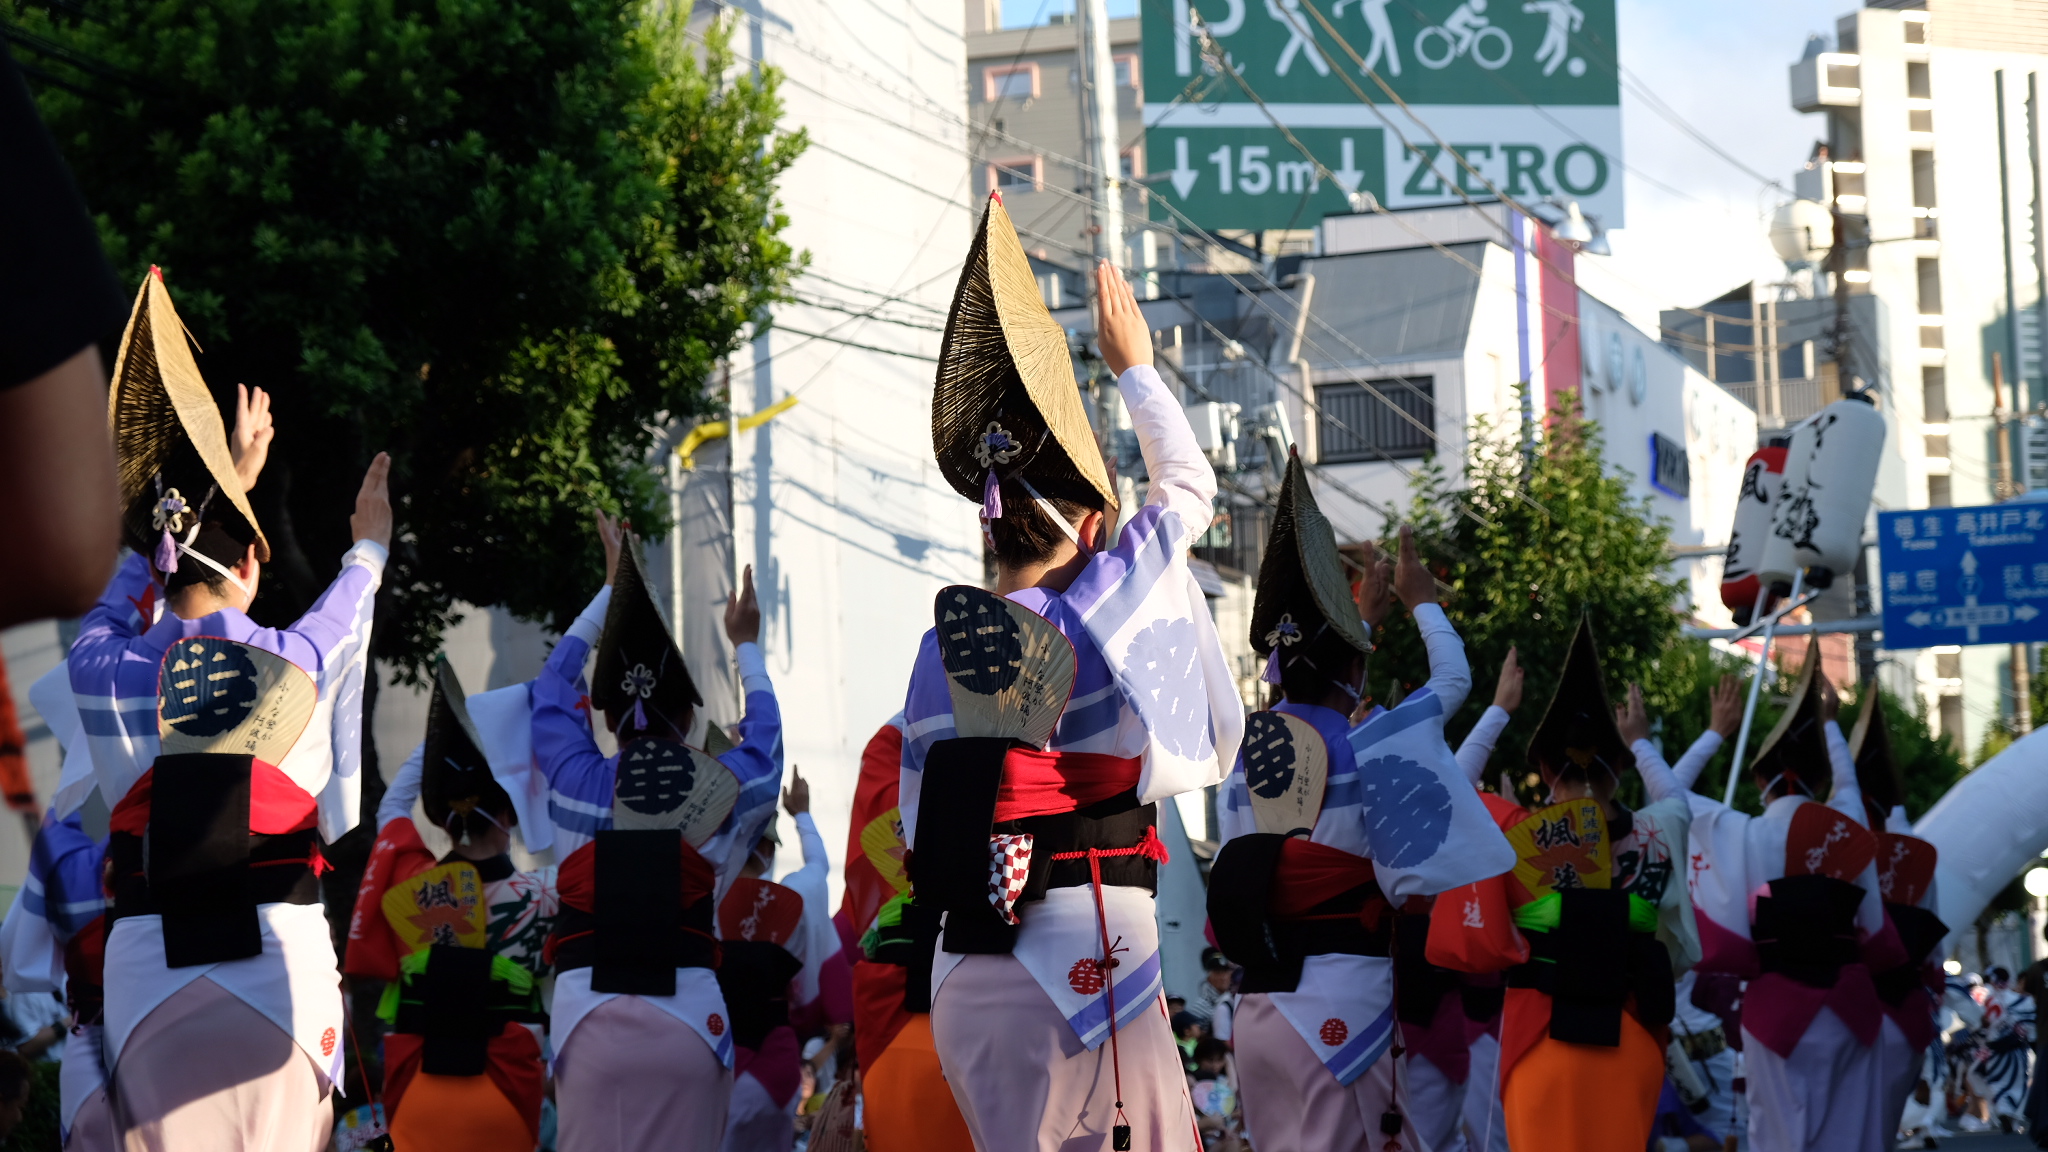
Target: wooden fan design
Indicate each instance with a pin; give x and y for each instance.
(1009, 671)
(1823, 842)
(224, 697)
(1905, 867)
(756, 909)
(1563, 846)
(664, 785)
(443, 905)
(1286, 767)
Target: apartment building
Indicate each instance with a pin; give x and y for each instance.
(1930, 149)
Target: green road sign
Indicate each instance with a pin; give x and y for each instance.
(1525, 91)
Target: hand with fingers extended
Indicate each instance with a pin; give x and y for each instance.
(372, 519)
(254, 430)
(1375, 587)
(1121, 331)
(1725, 703)
(743, 613)
(1412, 582)
(1507, 691)
(611, 533)
(1632, 717)
(796, 799)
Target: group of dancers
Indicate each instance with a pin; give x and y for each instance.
(1411, 944)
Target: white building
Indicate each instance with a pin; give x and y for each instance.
(1932, 152)
(1446, 333)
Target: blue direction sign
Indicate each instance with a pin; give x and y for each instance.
(1965, 575)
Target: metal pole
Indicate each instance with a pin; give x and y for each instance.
(1756, 686)
(1099, 133)
(675, 544)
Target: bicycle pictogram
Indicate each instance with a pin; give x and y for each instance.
(1465, 33)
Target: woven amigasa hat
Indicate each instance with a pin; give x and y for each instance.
(1798, 743)
(171, 451)
(639, 668)
(1877, 766)
(455, 776)
(1578, 727)
(1005, 404)
(1304, 603)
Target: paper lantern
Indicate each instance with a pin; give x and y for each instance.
(1830, 471)
(1761, 478)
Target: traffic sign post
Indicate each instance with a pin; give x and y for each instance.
(1965, 575)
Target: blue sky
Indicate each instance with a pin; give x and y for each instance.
(1722, 69)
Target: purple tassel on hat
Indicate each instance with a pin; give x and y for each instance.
(1272, 673)
(166, 557)
(991, 497)
(639, 716)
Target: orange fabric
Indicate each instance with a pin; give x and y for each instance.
(459, 1114)
(15, 785)
(1473, 929)
(1579, 1098)
(398, 855)
(513, 1070)
(907, 1104)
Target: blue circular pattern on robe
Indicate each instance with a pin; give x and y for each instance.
(978, 641)
(654, 776)
(1162, 669)
(206, 686)
(1408, 810)
(1268, 755)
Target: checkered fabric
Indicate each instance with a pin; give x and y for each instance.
(1009, 865)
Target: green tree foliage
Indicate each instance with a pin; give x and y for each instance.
(1522, 545)
(499, 238)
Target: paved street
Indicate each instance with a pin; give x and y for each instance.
(1989, 1143)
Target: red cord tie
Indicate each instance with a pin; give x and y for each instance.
(1150, 848)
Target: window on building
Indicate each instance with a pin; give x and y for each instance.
(1127, 71)
(1018, 173)
(1353, 424)
(1930, 336)
(1917, 87)
(1930, 286)
(1952, 721)
(1916, 27)
(1919, 120)
(1934, 395)
(1012, 82)
(1127, 161)
(1937, 447)
(1923, 179)
(1948, 665)
(1938, 493)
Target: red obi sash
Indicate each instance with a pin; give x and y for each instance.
(576, 884)
(1039, 783)
(1309, 874)
(277, 806)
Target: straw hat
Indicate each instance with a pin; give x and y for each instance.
(1877, 766)
(455, 776)
(1304, 595)
(171, 450)
(1578, 726)
(1798, 742)
(638, 664)
(1005, 404)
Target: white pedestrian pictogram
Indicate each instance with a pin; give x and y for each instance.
(1300, 40)
(1565, 19)
(1383, 43)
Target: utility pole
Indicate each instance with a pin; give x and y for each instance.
(1099, 135)
(1837, 371)
(2022, 680)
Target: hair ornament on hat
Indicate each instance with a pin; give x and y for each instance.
(1284, 632)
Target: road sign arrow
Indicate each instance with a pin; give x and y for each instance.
(1184, 177)
(1348, 176)
(1920, 619)
(1969, 563)
(2026, 612)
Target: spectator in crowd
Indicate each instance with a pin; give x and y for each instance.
(1217, 975)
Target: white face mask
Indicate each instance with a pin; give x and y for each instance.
(248, 590)
(1053, 514)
